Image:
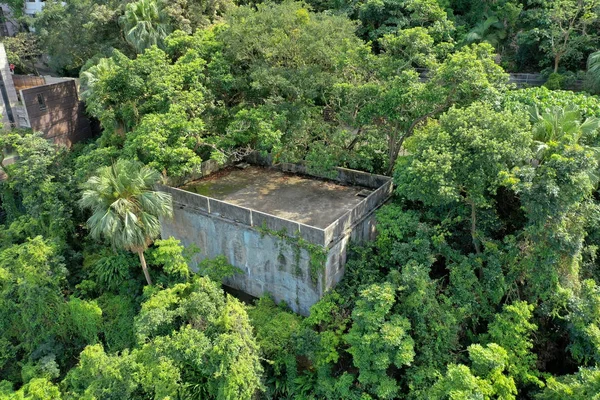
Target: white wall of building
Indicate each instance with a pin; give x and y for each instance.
(33, 6)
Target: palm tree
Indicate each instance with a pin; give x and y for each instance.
(125, 209)
(563, 125)
(145, 24)
(593, 65)
(491, 30)
(94, 74)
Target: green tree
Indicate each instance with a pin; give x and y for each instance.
(563, 124)
(36, 389)
(96, 24)
(465, 157)
(193, 343)
(191, 15)
(23, 50)
(396, 104)
(37, 190)
(567, 27)
(583, 385)
(584, 324)
(513, 330)
(125, 208)
(379, 339)
(556, 195)
(486, 379)
(379, 18)
(145, 24)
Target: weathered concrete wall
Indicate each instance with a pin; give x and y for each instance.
(271, 263)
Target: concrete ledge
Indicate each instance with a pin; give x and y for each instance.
(339, 227)
(256, 158)
(273, 223)
(207, 168)
(312, 235)
(293, 168)
(230, 211)
(186, 198)
(375, 199)
(358, 178)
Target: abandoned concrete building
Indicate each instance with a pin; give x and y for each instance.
(287, 232)
(44, 104)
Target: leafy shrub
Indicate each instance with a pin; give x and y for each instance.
(554, 81)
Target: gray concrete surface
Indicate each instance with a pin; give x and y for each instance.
(269, 263)
(311, 202)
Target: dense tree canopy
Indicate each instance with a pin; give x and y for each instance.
(482, 281)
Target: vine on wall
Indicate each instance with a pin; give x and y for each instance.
(317, 254)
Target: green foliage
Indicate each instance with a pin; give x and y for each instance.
(217, 268)
(96, 24)
(190, 15)
(198, 302)
(566, 28)
(275, 331)
(125, 209)
(378, 340)
(465, 157)
(84, 319)
(170, 254)
(543, 98)
(38, 185)
(23, 50)
(235, 365)
(485, 379)
(36, 389)
(32, 302)
(118, 313)
(593, 69)
(192, 343)
(583, 385)
(512, 330)
(584, 324)
(109, 269)
(144, 24)
(397, 103)
(555, 81)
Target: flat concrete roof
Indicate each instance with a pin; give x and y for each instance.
(298, 198)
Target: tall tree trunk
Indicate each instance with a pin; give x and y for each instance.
(144, 267)
(556, 62)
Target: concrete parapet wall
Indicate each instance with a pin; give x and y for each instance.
(230, 211)
(207, 168)
(273, 223)
(313, 235)
(347, 221)
(359, 178)
(321, 237)
(185, 198)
